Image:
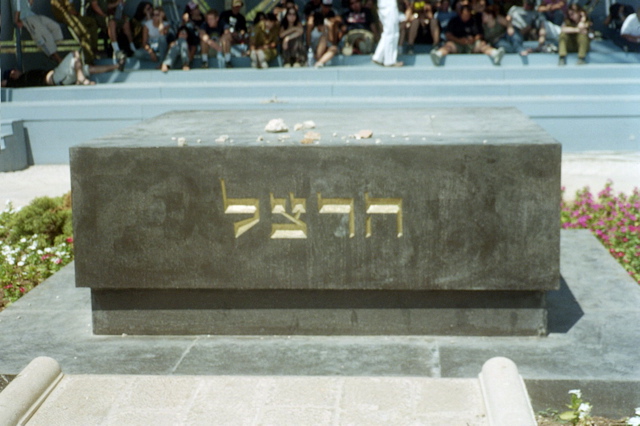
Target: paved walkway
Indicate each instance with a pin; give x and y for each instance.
(591, 169)
(42, 395)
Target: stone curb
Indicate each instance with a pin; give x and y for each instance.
(28, 390)
(505, 394)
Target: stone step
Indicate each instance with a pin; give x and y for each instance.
(397, 87)
(42, 395)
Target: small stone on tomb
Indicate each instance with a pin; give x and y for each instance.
(314, 136)
(182, 142)
(304, 125)
(222, 139)
(364, 134)
(276, 125)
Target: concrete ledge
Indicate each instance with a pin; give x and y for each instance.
(307, 312)
(505, 394)
(28, 391)
(14, 149)
(276, 399)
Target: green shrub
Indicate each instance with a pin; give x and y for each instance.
(49, 218)
(35, 242)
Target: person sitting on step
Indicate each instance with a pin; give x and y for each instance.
(154, 37)
(464, 36)
(264, 41)
(528, 24)
(499, 32)
(420, 27)
(179, 48)
(574, 36)
(358, 31)
(44, 31)
(292, 39)
(235, 36)
(630, 32)
(210, 36)
(323, 50)
(112, 20)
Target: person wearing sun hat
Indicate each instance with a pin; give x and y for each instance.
(234, 32)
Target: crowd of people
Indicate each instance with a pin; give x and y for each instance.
(314, 34)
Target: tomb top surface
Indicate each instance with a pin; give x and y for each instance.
(463, 126)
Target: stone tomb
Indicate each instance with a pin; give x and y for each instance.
(199, 222)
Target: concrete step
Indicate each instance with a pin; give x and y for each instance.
(42, 395)
(395, 86)
(15, 153)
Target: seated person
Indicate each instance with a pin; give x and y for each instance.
(499, 32)
(464, 36)
(68, 72)
(574, 36)
(291, 39)
(358, 29)
(420, 27)
(111, 19)
(83, 27)
(528, 24)
(443, 15)
(264, 41)
(192, 20)
(44, 31)
(154, 37)
(319, 42)
(332, 22)
(210, 36)
(179, 48)
(234, 32)
(618, 13)
(630, 32)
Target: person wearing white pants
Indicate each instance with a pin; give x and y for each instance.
(386, 53)
(44, 31)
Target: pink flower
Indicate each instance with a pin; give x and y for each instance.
(70, 240)
(22, 290)
(8, 286)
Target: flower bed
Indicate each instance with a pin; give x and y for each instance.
(35, 242)
(613, 218)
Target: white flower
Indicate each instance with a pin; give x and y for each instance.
(638, 411)
(21, 263)
(576, 392)
(634, 421)
(33, 246)
(584, 409)
(23, 240)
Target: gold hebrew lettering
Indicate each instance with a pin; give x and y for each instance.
(297, 229)
(338, 206)
(241, 206)
(383, 206)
